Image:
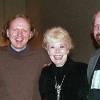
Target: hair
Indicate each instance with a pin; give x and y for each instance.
(56, 34)
(7, 25)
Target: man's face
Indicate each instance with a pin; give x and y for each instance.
(19, 32)
(96, 28)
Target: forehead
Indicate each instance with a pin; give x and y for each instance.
(19, 21)
(97, 19)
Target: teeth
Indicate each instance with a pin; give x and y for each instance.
(58, 57)
(19, 39)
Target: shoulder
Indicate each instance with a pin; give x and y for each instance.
(78, 64)
(39, 51)
(81, 66)
(3, 49)
(40, 54)
(45, 72)
(93, 60)
(80, 70)
(47, 68)
(96, 54)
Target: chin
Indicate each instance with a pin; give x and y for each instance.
(19, 47)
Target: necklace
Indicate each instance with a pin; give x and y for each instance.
(58, 87)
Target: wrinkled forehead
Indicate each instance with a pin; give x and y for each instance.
(19, 22)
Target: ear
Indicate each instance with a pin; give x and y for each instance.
(68, 51)
(31, 35)
(7, 33)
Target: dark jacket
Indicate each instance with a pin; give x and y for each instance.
(92, 63)
(93, 94)
(74, 86)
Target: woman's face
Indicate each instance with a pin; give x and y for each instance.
(58, 52)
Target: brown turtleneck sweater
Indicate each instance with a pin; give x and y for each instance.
(19, 73)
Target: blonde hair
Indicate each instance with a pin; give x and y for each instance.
(56, 34)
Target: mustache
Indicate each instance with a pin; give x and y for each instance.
(98, 34)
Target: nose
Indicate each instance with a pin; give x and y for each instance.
(98, 28)
(19, 33)
(57, 50)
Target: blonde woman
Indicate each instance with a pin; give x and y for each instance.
(64, 79)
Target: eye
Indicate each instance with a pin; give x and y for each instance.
(14, 30)
(25, 31)
(52, 47)
(96, 26)
(62, 46)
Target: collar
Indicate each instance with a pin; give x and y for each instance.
(18, 50)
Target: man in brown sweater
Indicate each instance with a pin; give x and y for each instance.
(20, 66)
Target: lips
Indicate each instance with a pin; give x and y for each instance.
(98, 36)
(58, 57)
(19, 39)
